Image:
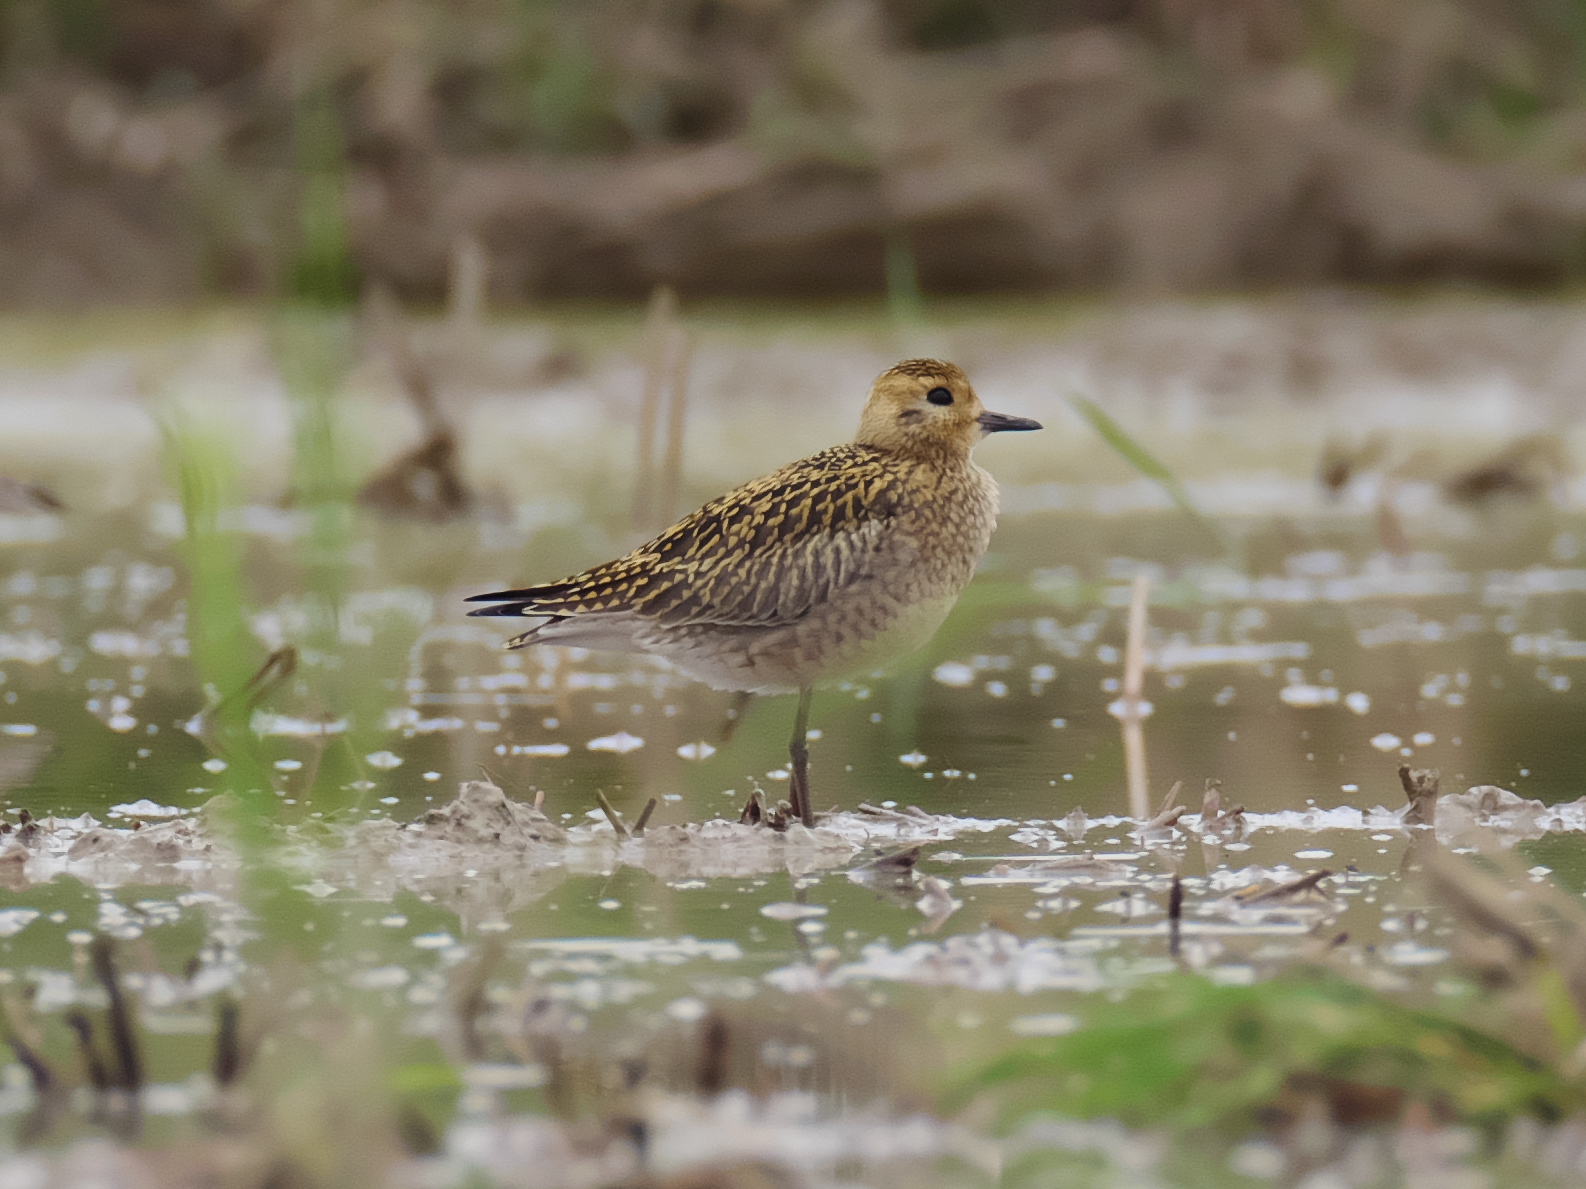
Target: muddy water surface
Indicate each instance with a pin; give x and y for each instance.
(1297, 660)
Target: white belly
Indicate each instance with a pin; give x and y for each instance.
(837, 643)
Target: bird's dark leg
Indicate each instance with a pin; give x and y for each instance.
(799, 752)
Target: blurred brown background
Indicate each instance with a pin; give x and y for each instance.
(157, 150)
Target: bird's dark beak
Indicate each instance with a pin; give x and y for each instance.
(997, 422)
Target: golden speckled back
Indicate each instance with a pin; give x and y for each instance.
(847, 538)
(813, 572)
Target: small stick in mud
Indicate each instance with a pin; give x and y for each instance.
(123, 1037)
(1342, 461)
(20, 497)
(898, 862)
(47, 1088)
(270, 676)
(1390, 527)
(83, 1027)
(756, 813)
(1214, 818)
(1168, 815)
(227, 1063)
(1285, 890)
(715, 1041)
(1421, 787)
(39, 1071)
(612, 815)
(1528, 468)
(644, 818)
(238, 705)
(1175, 914)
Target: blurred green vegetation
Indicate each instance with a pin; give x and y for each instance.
(204, 469)
(1147, 464)
(225, 654)
(323, 271)
(312, 673)
(1224, 1063)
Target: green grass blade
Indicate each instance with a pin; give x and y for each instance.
(225, 654)
(1145, 462)
(905, 298)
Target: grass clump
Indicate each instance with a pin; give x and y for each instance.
(1189, 1054)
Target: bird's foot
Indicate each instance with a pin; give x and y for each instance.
(799, 784)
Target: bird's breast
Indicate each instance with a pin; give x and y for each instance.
(946, 530)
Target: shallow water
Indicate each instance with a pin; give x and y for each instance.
(1298, 663)
(1299, 683)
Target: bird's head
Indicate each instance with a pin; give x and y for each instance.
(925, 406)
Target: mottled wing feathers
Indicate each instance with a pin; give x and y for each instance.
(759, 556)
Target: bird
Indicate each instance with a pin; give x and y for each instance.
(820, 571)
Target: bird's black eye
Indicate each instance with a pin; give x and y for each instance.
(939, 396)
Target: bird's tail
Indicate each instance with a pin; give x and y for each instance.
(524, 602)
(523, 639)
(563, 622)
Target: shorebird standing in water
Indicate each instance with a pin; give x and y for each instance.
(819, 571)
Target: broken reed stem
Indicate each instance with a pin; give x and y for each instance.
(671, 484)
(612, 815)
(1134, 768)
(644, 818)
(1132, 703)
(1134, 644)
(658, 324)
(753, 812)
